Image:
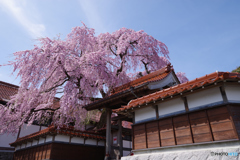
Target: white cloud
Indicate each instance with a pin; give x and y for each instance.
(92, 15)
(17, 9)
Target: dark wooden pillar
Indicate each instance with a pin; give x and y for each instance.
(108, 131)
(119, 135)
(19, 131)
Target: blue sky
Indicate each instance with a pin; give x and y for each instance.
(202, 36)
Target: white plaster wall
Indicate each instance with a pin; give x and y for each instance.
(233, 92)
(204, 97)
(49, 138)
(91, 141)
(62, 138)
(29, 144)
(101, 143)
(145, 113)
(23, 145)
(170, 106)
(126, 144)
(41, 140)
(35, 142)
(18, 147)
(5, 139)
(28, 130)
(77, 140)
(125, 153)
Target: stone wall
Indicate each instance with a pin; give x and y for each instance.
(221, 151)
(6, 155)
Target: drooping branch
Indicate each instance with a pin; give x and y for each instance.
(145, 66)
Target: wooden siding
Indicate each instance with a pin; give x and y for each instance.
(234, 111)
(35, 153)
(58, 151)
(207, 125)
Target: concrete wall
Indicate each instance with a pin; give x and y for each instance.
(171, 106)
(204, 97)
(145, 114)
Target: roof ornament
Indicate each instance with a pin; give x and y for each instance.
(168, 68)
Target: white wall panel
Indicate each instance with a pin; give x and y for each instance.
(29, 144)
(49, 138)
(170, 106)
(77, 140)
(204, 97)
(101, 143)
(23, 145)
(18, 147)
(35, 142)
(233, 92)
(41, 140)
(145, 113)
(62, 138)
(91, 141)
(126, 144)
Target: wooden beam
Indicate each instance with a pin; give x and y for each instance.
(133, 146)
(156, 110)
(108, 131)
(119, 136)
(185, 103)
(174, 132)
(159, 136)
(190, 127)
(19, 132)
(223, 93)
(209, 125)
(146, 135)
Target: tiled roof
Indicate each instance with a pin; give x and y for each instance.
(7, 90)
(180, 88)
(152, 77)
(52, 130)
(118, 91)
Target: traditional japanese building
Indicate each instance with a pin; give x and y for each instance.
(125, 94)
(6, 151)
(46, 142)
(197, 119)
(63, 143)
